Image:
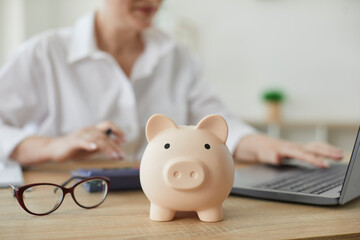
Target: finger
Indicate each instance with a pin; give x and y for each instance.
(104, 126)
(325, 150)
(106, 145)
(86, 145)
(68, 147)
(300, 154)
(271, 157)
(115, 130)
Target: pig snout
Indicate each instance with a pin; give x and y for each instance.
(184, 174)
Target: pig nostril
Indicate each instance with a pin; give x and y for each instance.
(193, 174)
(177, 174)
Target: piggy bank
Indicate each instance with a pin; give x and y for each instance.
(186, 168)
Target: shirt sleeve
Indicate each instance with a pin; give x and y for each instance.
(203, 101)
(21, 97)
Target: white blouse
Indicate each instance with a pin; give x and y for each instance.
(59, 81)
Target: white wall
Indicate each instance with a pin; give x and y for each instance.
(309, 48)
(20, 19)
(11, 26)
(44, 14)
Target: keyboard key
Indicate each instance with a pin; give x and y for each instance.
(313, 181)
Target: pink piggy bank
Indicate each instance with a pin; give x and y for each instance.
(186, 168)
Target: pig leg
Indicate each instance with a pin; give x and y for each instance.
(161, 214)
(213, 214)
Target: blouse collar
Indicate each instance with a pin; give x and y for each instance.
(83, 45)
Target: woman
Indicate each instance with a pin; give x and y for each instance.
(60, 86)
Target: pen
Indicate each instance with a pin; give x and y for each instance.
(108, 132)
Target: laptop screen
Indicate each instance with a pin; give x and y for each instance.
(351, 188)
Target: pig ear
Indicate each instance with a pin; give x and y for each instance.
(216, 124)
(156, 124)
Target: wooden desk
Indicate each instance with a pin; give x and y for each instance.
(125, 215)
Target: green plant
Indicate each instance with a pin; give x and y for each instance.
(273, 95)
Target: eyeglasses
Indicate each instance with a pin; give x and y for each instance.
(44, 198)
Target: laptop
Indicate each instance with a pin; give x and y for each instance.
(296, 182)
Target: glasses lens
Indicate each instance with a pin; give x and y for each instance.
(42, 198)
(91, 193)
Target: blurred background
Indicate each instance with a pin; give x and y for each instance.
(290, 68)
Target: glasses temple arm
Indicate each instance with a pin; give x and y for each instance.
(13, 190)
(68, 181)
(72, 178)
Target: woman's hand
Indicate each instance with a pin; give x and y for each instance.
(81, 143)
(260, 148)
(87, 141)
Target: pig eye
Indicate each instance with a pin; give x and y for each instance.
(207, 146)
(166, 146)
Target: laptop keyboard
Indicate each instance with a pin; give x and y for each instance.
(313, 181)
